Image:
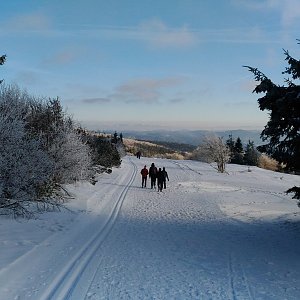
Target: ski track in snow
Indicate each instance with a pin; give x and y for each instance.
(238, 279)
(204, 237)
(66, 281)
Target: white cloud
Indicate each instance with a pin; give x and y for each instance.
(61, 58)
(69, 54)
(177, 100)
(145, 90)
(155, 33)
(159, 35)
(289, 10)
(96, 100)
(29, 22)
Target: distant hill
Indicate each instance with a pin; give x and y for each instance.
(192, 137)
(157, 149)
(179, 147)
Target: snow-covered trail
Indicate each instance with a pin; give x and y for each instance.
(180, 245)
(207, 236)
(55, 266)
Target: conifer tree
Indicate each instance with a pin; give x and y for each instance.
(238, 146)
(251, 155)
(237, 155)
(230, 143)
(282, 132)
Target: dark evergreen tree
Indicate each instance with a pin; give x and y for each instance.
(238, 152)
(282, 132)
(238, 146)
(230, 144)
(251, 155)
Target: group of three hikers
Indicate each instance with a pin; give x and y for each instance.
(156, 175)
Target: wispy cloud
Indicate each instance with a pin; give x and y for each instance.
(289, 10)
(176, 100)
(35, 21)
(248, 35)
(96, 100)
(153, 33)
(61, 58)
(145, 90)
(157, 34)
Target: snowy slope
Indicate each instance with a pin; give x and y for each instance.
(207, 236)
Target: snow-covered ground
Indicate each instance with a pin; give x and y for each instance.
(207, 236)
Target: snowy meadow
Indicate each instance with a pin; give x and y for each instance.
(207, 236)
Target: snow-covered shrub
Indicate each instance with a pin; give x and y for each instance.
(40, 149)
(24, 166)
(213, 149)
(120, 148)
(71, 157)
(104, 153)
(60, 140)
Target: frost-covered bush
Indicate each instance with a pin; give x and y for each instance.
(24, 166)
(47, 120)
(40, 149)
(72, 159)
(213, 149)
(120, 148)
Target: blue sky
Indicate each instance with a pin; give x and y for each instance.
(148, 64)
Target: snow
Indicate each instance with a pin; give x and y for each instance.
(207, 236)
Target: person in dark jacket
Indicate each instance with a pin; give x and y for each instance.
(152, 175)
(160, 180)
(144, 173)
(165, 177)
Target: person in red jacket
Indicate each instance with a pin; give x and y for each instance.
(144, 173)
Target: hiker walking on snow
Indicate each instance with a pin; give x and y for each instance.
(152, 175)
(165, 177)
(160, 180)
(144, 173)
